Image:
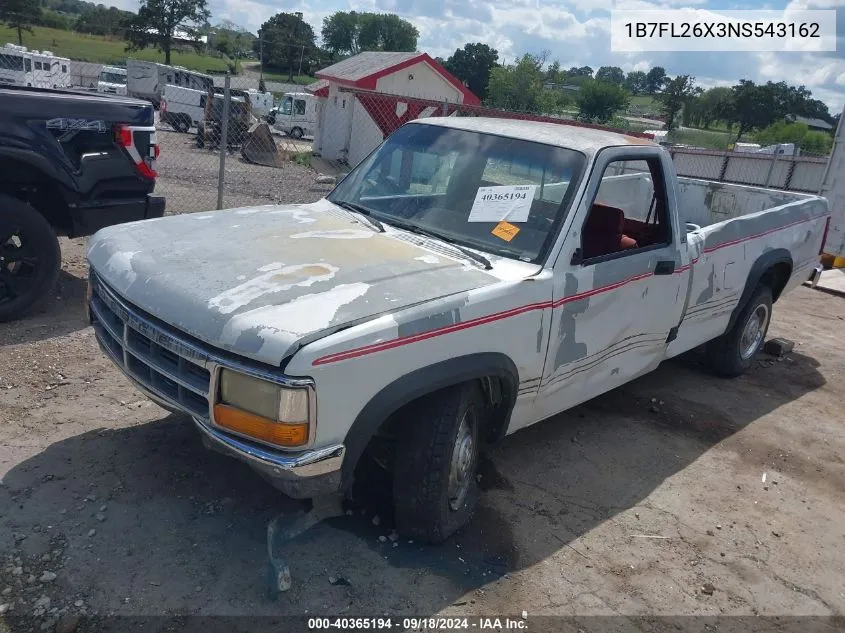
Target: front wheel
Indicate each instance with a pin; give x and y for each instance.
(434, 482)
(30, 258)
(733, 353)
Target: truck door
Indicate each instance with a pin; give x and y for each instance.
(620, 280)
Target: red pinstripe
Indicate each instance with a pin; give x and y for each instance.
(506, 314)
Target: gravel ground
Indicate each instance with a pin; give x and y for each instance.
(188, 177)
(677, 494)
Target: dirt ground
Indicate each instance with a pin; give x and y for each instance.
(678, 494)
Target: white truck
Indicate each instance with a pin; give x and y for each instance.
(112, 80)
(146, 80)
(469, 278)
(296, 115)
(182, 108)
(833, 189)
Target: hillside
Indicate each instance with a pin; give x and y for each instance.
(103, 50)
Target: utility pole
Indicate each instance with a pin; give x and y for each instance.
(261, 56)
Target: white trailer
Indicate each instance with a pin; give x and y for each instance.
(833, 188)
(146, 80)
(20, 66)
(296, 115)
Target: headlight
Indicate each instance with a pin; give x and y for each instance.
(262, 409)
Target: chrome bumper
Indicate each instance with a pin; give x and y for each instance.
(178, 375)
(816, 274)
(302, 475)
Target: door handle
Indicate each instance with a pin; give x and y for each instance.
(665, 267)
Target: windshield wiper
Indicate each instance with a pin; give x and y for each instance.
(357, 208)
(413, 228)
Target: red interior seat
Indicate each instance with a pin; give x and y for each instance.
(604, 232)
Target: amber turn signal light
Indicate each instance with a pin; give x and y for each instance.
(260, 427)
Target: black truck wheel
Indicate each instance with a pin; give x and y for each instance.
(733, 353)
(30, 258)
(434, 480)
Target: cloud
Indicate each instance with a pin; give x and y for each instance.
(576, 33)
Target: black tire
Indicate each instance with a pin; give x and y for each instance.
(182, 124)
(426, 507)
(30, 258)
(731, 354)
(200, 137)
(297, 133)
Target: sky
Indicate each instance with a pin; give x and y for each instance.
(573, 32)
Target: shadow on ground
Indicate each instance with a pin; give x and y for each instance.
(62, 313)
(184, 526)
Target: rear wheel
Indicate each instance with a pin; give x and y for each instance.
(733, 353)
(30, 258)
(297, 133)
(182, 124)
(434, 483)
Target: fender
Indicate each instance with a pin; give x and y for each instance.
(40, 162)
(421, 382)
(758, 269)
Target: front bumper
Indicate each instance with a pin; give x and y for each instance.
(90, 218)
(175, 372)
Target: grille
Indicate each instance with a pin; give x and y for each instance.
(163, 363)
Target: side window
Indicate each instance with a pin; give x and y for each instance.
(37, 65)
(629, 211)
(64, 68)
(28, 65)
(299, 106)
(203, 99)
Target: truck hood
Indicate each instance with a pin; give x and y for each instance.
(260, 281)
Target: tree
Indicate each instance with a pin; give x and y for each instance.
(710, 105)
(387, 32)
(340, 32)
(678, 92)
(20, 15)
(636, 82)
(518, 86)
(811, 142)
(289, 43)
(583, 71)
(655, 79)
(472, 65)
(611, 75)
(158, 21)
(598, 101)
(350, 32)
(753, 106)
(104, 21)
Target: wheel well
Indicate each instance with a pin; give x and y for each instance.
(776, 277)
(31, 185)
(499, 398)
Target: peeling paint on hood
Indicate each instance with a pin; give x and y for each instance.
(257, 290)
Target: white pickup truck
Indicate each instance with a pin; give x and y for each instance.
(469, 278)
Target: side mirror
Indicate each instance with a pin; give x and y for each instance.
(577, 257)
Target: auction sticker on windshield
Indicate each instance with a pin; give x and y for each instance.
(502, 202)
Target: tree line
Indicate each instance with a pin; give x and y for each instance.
(530, 84)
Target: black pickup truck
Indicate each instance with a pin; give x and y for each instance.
(71, 163)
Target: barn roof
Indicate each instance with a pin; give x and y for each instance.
(365, 69)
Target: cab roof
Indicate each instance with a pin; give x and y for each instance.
(582, 139)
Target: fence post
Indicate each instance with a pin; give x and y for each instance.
(224, 140)
(789, 173)
(445, 108)
(724, 168)
(772, 165)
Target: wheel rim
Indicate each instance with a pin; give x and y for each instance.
(463, 461)
(754, 331)
(296, 133)
(19, 264)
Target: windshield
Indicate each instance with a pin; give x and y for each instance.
(112, 78)
(11, 62)
(287, 106)
(500, 195)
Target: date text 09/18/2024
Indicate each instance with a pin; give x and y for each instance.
(420, 624)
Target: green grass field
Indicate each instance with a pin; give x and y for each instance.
(271, 75)
(92, 48)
